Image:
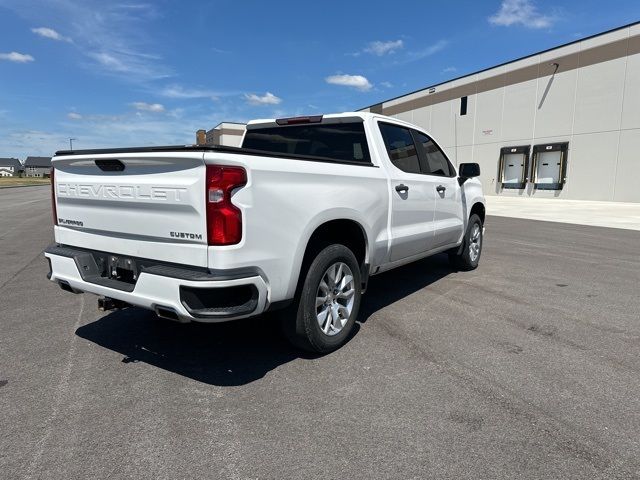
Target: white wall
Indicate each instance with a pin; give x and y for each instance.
(591, 100)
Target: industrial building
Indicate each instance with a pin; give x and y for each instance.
(561, 123)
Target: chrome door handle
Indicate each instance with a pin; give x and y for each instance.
(402, 188)
(441, 188)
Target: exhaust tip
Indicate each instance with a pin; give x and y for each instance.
(168, 313)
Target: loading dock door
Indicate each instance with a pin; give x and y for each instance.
(550, 166)
(514, 166)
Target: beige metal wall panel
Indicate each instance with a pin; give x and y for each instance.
(406, 116)
(560, 55)
(592, 166)
(422, 117)
(487, 157)
(406, 98)
(599, 93)
(463, 154)
(627, 184)
(450, 152)
(442, 123)
(555, 98)
(631, 103)
(519, 110)
(603, 40)
(488, 123)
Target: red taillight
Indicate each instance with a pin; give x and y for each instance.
(299, 120)
(224, 219)
(52, 175)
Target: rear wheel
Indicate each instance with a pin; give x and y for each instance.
(325, 310)
(467, 256)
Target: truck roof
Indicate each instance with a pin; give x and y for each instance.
(328, 118)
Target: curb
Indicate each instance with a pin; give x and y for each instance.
(22, 186)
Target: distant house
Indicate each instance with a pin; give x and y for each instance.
(37, 166)
(10, 167)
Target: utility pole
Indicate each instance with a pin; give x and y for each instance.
(71, 143)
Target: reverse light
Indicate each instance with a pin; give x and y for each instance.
(52, 174)
(224, 219)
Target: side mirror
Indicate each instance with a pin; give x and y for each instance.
(468, 170)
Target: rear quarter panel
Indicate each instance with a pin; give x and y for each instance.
(283, 203)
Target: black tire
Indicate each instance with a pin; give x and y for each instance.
(300, 321)
(461, 258)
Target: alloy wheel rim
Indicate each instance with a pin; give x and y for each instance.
(334, 298)
(476, 242)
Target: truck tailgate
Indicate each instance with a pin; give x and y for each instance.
(148, 205)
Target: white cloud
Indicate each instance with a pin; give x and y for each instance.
(176, 91)
(16, 57)
(130, 65)
(355, 81)
(267, 99)
(74, 116)
(109, 61)
(383, 48)
(427, 52)
(386, 84)
(449, 70)
(148, 107)
(50, 33)
(523, 12)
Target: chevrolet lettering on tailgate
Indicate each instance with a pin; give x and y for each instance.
(121, 192)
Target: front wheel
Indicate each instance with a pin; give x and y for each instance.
(326, 308)
(467, 256)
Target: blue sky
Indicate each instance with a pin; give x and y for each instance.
(135, 73)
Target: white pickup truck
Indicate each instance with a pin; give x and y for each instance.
(297, 219)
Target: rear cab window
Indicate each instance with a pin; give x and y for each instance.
(339, 142)
(400, 147)
(414, 152)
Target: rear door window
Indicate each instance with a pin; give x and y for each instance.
(400, 147)
(342, 142)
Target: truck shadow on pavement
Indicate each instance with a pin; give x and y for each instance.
(238, 352)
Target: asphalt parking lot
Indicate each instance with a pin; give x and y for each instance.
(528, 367)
